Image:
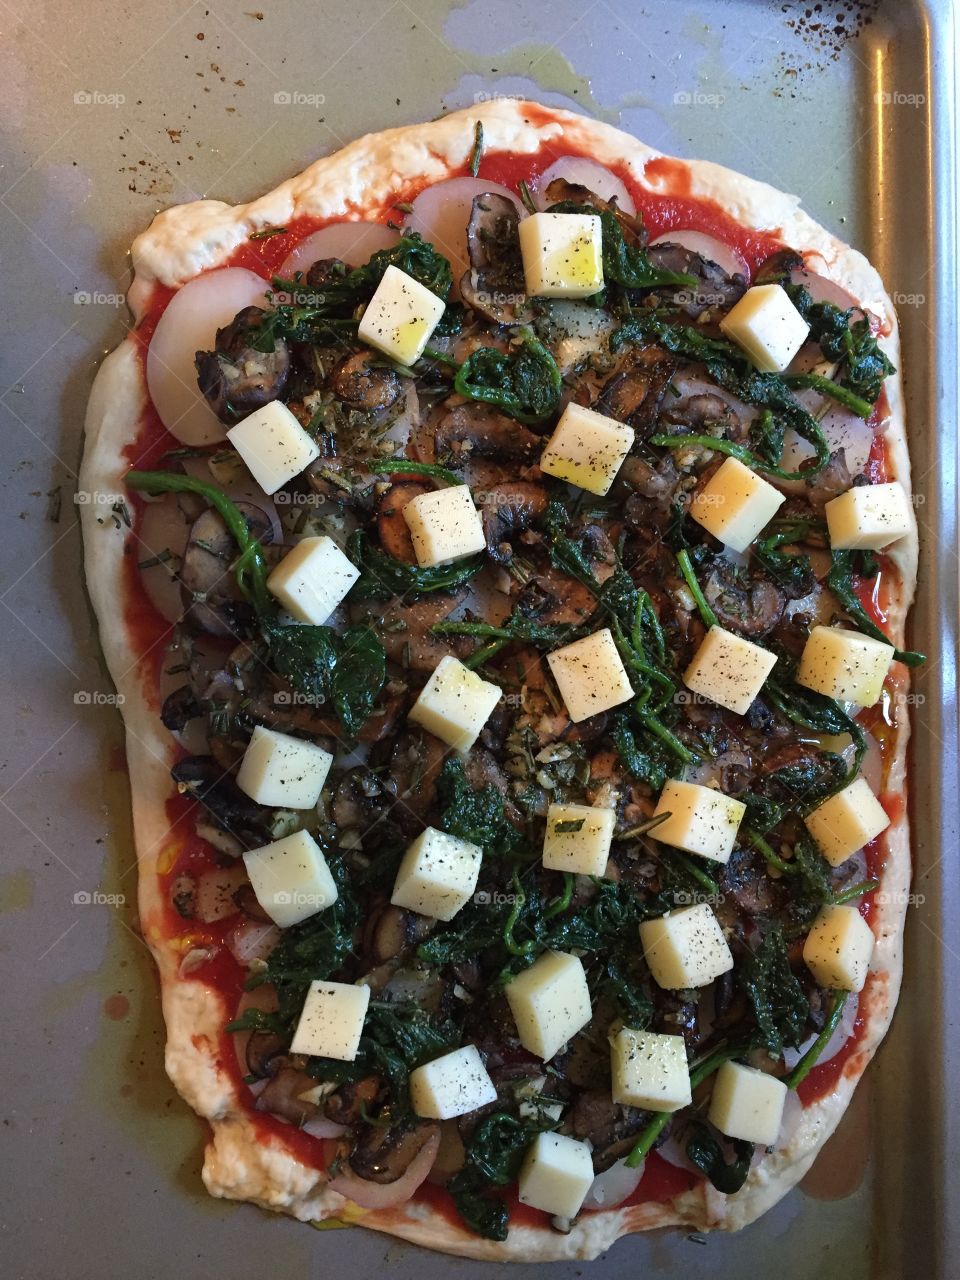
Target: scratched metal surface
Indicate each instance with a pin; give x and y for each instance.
(142, 106)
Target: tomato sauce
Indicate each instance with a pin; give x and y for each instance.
(674, 208)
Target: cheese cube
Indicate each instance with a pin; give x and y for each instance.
(453, 1085)
(650, 1070)
(838, 948)
(444, 525)
(578, 838)
(332, 1020)
(869, 517)
(290, 878)
(562, 255)
(455, 703)
(847, 821)
(273, 445)
(312, 579)
(845, 665)
(438, 875)
(702, 821)
(768, 327)
(590, 676)
(550, 1002)
(556, 1173)
(728, 670)
(283, 772)
(400, 317)
(747, 1104)
(685, 948)
(735, 504)
(586, 449)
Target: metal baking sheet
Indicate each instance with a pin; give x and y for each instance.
(113, 115)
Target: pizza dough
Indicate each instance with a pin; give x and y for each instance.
(363, 181)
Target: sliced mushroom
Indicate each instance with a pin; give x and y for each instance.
(390, 931)
(201, 778)
(360, 383)
(714, 290)
(747, 603)
(384, 1155)
(346, 1105)
(507, 509)
(636, 391)
(494, 285)
(179, 708)
(265, 1054)
(210, 591)
(392, 528)
(476, 429)
(282, 1096)
(404, 628)
(235, 377)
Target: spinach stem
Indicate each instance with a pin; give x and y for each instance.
(813, 1054)
(690, 578)
(250, 566)
(406, 466)
(856, 891)
(563, 902)
(519, 898)
(769, 856)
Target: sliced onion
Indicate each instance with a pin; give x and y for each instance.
(844, 1031)
(441, 213)
(251, 940)
(215, 890)
(163, 527)
(843, 430)
(352, 242)
(321, 1127)
(821, 289)
(709, 247)
(189, 325)
(376, 1195)
(584, 173)
(613, 1186)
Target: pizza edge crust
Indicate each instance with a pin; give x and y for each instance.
(363, 180)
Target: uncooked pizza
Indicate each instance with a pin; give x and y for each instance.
(502, 537)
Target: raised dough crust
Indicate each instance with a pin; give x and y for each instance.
(365, 179)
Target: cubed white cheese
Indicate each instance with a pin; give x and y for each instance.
(649, 1070)
(556, 1173)
(453, 1085)
(586, 449)
(838, 948)
(869, 517)
(400, 317)
(685, 948)
(590, 675)
(747, 1104)
(290, 878)
(768, 327)
(562, 255)
(283, 772)
(735, 504)
(437, 875)
(845, 665)
(444, 525)
(847, 821)
(273, 445)
(331, 1023)
(701, 821)
(550, 1002)
(312, 579)
(455, 703)
(578, 838)
(729, 670)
